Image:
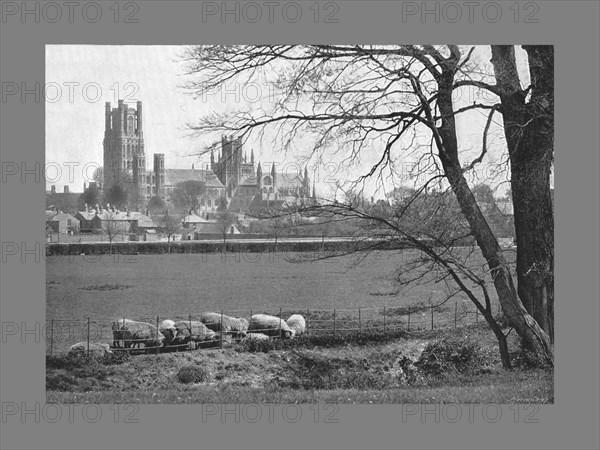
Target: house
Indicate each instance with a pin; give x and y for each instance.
(213, 229)
(192, 220)
(62, 223)
(95, 221)
(87, 222)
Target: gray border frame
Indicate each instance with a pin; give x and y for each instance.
(570, 423)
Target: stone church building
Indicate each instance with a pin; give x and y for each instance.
(231, 174)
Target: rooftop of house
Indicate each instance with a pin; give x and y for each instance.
(176, 176)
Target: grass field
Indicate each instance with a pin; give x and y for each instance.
(176, 286)
(353, 370)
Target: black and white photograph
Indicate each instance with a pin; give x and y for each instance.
(299, 224)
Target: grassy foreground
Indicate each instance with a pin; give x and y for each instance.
(365, 369)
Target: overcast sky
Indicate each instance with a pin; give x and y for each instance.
(154, 75)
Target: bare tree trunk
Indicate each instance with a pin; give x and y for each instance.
(529, 131)
(534, 337)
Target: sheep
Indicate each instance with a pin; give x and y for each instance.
(297, 324)
(257, 336)
(117, 329)
(96, 349)
(199, 335)
(270, 325)
(237, 327)
(134, 333)
(167, 327)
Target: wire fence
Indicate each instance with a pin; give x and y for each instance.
(62, 334)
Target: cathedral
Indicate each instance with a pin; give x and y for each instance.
(231, 176)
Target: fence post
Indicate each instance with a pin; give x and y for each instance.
(455, 312)
(191, 334)
(221, 342)
(156, 344)
(51, 335)
(432, 316)
(334, 320)
(307, 311)
(476, 315)
(88, 337)
(384, 333)
(359, 323)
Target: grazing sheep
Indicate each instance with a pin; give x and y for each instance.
(199, 333)
(135, 333)
(167, 327)
(96, 349)
(297, 324)
(117, 329)
(237, 327)
(257, 337)
(270, 325)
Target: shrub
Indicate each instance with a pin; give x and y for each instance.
(526, 359)
(73, 361)
(450, 356)
(193, 374)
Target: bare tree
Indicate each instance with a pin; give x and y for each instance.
(112, 227)
(225, 220)
(528, 119)
(171, 225)
(382, 98)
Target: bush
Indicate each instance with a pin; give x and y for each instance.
(76, 372)
(526, 359)
(74, 361)
(193, 374)
(450, 356)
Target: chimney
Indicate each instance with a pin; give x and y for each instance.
(86, 207)
(53, 189)
(128, 215)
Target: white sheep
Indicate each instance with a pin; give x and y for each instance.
(237, 327)
(193, 332)
(117, 329)
(96, 349)
(257, 337)
(297, 324)
(270, 325)
(167, 327)
(135, 333)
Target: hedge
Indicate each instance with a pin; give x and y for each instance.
(152, 248)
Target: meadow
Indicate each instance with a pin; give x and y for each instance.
(358, 363)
